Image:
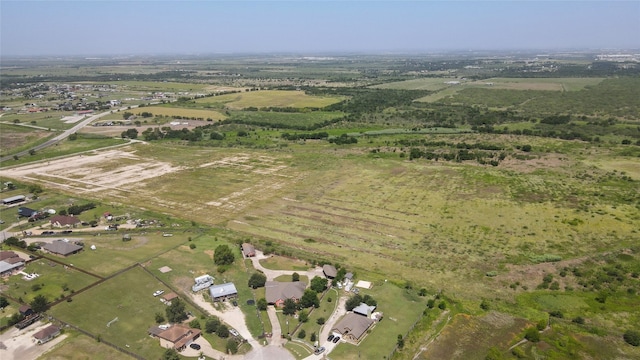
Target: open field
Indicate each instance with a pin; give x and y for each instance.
(80, 347)
(269, 98)
(432, 84)
(127, 297)
(176, 112)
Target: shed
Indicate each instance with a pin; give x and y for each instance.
(13, 199)
(248, 250)
(329, 271)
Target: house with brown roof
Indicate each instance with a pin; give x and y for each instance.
(61, 247)
(25, 310)
(4, 255)
(175, 337)
(46, 334)
(353, 326)
(64, 221)
(248, 250)
(277, 292)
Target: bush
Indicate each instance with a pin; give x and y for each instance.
(192, 246)
(257, 280)
(632, 337)
(302, 334)
(320, 321)
(578, 320)
(532, 334)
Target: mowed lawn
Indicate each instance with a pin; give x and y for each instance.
(401, 308)
(177, 112)
(270, 98)
(81, 347)
(55, 280)
(127, 297)
(112, 254)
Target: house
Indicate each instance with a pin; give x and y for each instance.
(168, 298)
(353, 326)
(61, 247)
(364, 309)
(329, 271)
(25, 310)
(277, 292)
(13, 199)
(64, 221)
(223, 291)
(46, 334)
(175, 337)
(248, 250)
(202, 282)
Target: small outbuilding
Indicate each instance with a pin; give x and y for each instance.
(329, 271)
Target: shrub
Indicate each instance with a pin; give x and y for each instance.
(578, 320)
(302, 334)
(632, 337)
(532, 334)
(192, 246)
(320, 321)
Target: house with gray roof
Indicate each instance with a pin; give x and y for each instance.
(353, 326)
(61, 247)
(364, 309)
(277, 292)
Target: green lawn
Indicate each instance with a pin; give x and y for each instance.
(52, 282)
(401, 308)
(127, 297)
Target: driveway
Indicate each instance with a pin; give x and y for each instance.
(272, 274)
(18, 344)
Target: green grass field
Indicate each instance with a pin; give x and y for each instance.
(127, 297)
(177, 112)
(432, 84)
(269, 98)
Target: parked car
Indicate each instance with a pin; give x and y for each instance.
(336, 339)
(319, 350)
(194, 346)
(158, 293)
(234, 332)
(330, 337)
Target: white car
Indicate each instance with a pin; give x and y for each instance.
(234, 332)
(158, 293)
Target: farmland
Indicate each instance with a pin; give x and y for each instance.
(507, 201)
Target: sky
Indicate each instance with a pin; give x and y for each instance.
(110, 27)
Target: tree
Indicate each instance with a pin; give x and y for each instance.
(318, 284)
(320, 321)
(126, 115)
(175, 311)
(232, 346)
(303, 316)
(257, 280)
(39, 304)
(130, 133)
(212, 324)
(222, 331)
(3, 302)
(289, 307)
(632, 337)
(532, 334)
(262, 304)
(494, 354)
(312, 338)
(223, 255)
(73, 137)
(195, 323)
(170, 354)
(422, 292)
(309, 299)
(353, 301)
(295, 277)
(302, 334)
(400, 341)
(159, 318)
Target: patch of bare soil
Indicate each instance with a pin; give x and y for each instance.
(549, 161)
(210, 253)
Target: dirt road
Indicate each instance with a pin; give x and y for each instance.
(18, 344)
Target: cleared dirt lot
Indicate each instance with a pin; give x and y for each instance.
(18, 344)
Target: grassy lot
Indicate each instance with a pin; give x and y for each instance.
(298, 350)
(79, 347)
(284, 119)
(176, 112)
(401, 308)
(55, 281)
(157, 86)
(113, 254)
(276, 262)
(269, 98)
(324, 311)
(556, 84)
(432, 84)
(127, 297)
